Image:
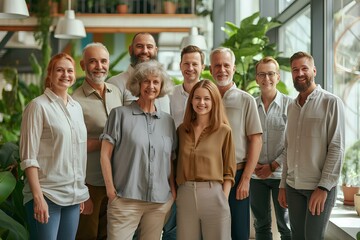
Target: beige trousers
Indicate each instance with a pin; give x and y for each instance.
(127, 215)
(203, 212)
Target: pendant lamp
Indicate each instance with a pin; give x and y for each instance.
(194, 39)
(12, 9)
(68, 27)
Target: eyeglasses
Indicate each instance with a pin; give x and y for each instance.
(262, 75)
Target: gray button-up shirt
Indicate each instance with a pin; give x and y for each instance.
(315, 142)
(273, 124)
(143, 147)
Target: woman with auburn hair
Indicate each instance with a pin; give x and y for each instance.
(205, 167)
(53, 156)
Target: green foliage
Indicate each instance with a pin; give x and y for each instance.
(12, 212)
(249, 44)
(13, 103)
(351, 167)
(42, 34)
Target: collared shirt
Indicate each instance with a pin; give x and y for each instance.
(178, 101)
(244, 119)
(315, 142)
(144, 144)
(96, 111)
(273, 124)
(120, 80)
(212, 158)
(53, 139)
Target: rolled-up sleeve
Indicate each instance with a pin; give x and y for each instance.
(31, 131)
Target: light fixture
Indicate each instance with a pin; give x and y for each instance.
(194, 39)
(13, 9)
(68, 27)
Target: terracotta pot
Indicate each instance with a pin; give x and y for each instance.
(349, 194)
(122, 8)
(169, 7)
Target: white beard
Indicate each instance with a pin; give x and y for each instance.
(223, 83)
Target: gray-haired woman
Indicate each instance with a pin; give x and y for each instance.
(136, 158)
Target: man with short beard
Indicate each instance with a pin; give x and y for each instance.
(96, 98)
(315, 141)
(142, 48)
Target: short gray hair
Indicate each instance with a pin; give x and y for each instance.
(223, 50)
(94, 44)
(142, 71)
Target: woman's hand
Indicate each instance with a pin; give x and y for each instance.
(41, 210)
(87, 207)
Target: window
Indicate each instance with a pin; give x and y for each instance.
(294, 35)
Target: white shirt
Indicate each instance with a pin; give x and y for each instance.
(120, 81)
(53, 139)
(244, 119)
(315, 142)
(178, 101)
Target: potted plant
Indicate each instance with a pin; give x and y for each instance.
(122, 6)
(170, 6)
(350, 173)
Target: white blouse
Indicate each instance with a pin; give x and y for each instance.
(53, 139)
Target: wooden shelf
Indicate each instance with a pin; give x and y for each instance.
(119, 23)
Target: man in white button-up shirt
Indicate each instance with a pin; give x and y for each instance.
(314, 143)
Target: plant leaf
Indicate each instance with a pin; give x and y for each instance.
(7, 185)
(15, 230)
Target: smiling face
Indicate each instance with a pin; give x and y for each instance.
(222, 68)
(63, 76)
(267, 76)
(150, 88)
(95, 63)
(142, 49)
(202, 102)
(191, 67)
(303, 73)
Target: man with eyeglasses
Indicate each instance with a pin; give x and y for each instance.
(272, 107)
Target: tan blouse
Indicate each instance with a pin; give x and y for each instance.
(212, 158)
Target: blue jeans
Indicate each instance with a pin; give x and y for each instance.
(169, 230)
(240, 212)
(303, 224)
(261, 191)
(62, 224)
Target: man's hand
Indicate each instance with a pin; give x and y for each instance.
(242, 190)
(317, 201)
(88, 207)
(282, 198)
(263, 171)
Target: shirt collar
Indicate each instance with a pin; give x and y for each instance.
(136, 110)
(54, 98)
(88, 89)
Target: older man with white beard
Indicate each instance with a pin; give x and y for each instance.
(96, 98)
(243, 116)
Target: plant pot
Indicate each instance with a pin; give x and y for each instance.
(54, 8)
(169, 7)
(349, 193)
(357, 203)
(122, 8)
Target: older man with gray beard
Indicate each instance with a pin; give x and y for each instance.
(96, 98)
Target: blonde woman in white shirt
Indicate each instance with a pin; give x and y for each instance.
(53, 156)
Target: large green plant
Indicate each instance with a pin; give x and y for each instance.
(250, 43)
(13, 223)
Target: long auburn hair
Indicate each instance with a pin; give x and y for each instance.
(52, 63)
(217, 113)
